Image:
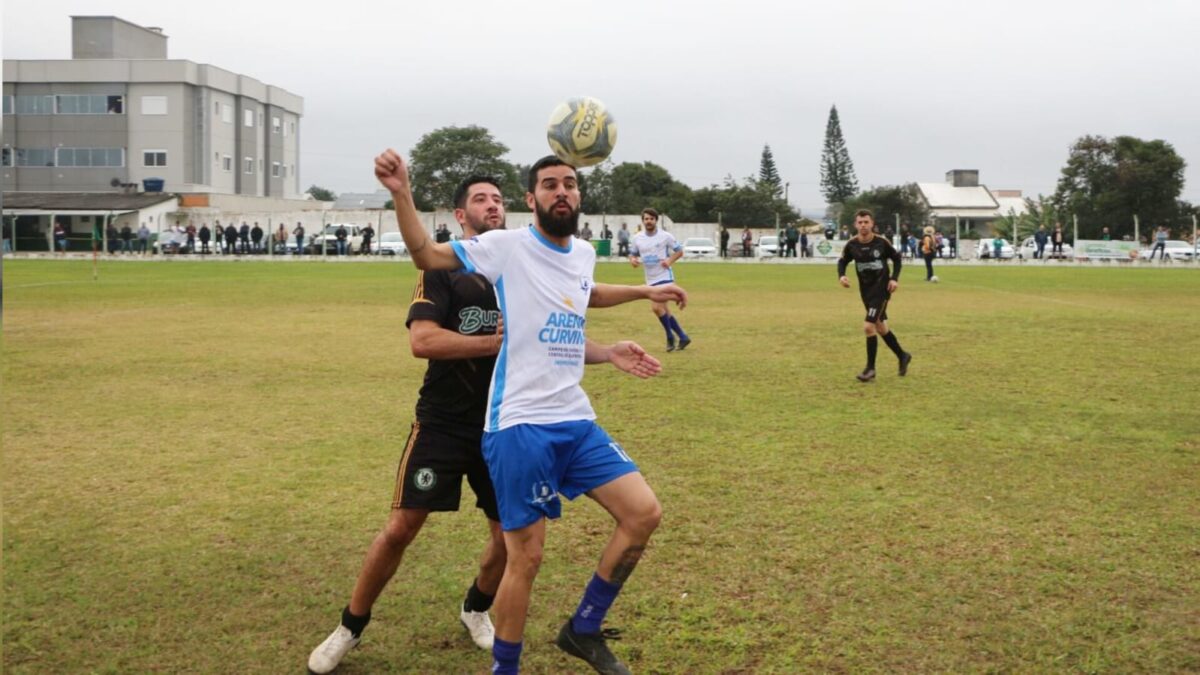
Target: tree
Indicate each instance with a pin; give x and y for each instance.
(321, 194)
(744, 204)
(768, 175)
(1105, 183)
(886, 202)
(1037, 213)
(443, 158)
(597, 189)
(633, 187)
(838, 181)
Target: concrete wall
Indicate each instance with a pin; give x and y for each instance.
(107, 37)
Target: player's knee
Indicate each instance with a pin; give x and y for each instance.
(869, 329)
(645, 520)
(524, 563)
(398, 534)
(881, 328)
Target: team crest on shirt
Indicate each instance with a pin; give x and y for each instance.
(585, 283)
(875, 252)
(425, 479)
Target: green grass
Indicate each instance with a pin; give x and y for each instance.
(196, 456)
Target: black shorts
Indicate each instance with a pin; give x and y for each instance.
(435, 459)
(876, 302)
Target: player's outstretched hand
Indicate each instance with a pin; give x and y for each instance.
(844, 282)
(893, 285)
(635, 262)
(631, 358)
(391, 171)
(668, 293)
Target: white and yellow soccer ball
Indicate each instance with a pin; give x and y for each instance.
(581, 131)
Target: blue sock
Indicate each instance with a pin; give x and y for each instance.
(678, 329)
(506, 657)
(597, 598)
(665, 320)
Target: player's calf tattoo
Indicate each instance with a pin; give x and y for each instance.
(629, 560)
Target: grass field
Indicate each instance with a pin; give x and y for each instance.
(196, 456)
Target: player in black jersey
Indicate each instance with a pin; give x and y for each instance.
(870, 254)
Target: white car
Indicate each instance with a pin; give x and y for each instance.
(1176, 249)
(328, 239)
(987, 249)
(1029, 247)
(391, 243)
(699, 247)
(768, 246)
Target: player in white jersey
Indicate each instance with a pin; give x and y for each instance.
(656, 250)
(540, 437)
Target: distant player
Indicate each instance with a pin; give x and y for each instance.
(656, 250)
(870, 254)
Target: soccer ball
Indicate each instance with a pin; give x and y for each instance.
(933, 278)
(581, 131)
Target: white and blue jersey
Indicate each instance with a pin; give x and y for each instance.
(543, 291)
(653, 249)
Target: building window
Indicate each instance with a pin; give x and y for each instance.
(226, 113)
(154, 105)
(227, 164)
(8, 105)
(275, 169)
(35, 105)
(79, 104)
(154, 158)
(248, 165)
(248, 117)
(276, 125)
(34, 156)
(6, 156)
(91, 157)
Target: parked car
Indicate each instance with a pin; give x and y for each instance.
(328, 239)
(172, 242)
(1029, 247)
(768, 246)
(987, 249)
(391, 243)
(699, 247)
(1176, 249)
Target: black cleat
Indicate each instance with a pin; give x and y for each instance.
(905, 359)
(866, 375)
(591, 647)
(684, 343)
(671, 346)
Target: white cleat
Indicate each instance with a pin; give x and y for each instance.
(329, 653)
(479, 625)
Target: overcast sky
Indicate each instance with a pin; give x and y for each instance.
(922, 86)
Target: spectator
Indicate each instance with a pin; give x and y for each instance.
(997, 247)
(605, 233)
(443, 234)
(191, 237)
(205, 237)
(60, 237)
(724, 242)
(110, 232)
(281, 239)
(143, 236)
(623, 241)
(586, 234)
(244, 238)
(1039, 239)
(1160, 243)
(747, 242)
(368, 233)
(953, 240)
(804, 252)
(298, 233)
(941, 243)
(256, 235)
(1056, 241)
(928, 247)
(1105, 236)
(8, 236)
(218, 235)
(340, 234)
(127, 239)
(231, 239)
(793, 238)
(903, 241)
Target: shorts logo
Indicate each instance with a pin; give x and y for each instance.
(543, 493)
(425, 479)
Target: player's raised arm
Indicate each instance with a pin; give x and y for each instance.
(609, 295)
(392, 173)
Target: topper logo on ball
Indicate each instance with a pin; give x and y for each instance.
(587, 126)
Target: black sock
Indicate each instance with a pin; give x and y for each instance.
(356, 624)
(477, 600)
(872, 347)
(893, 344)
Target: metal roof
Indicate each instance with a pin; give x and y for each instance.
(92, 202)
(362, 200)
(945, 195)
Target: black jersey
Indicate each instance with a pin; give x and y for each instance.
(871, 263)
(455, 391)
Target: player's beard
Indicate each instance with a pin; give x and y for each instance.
(558, 226)
(484, 226)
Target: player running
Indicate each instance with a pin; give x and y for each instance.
(870, 254)
(541, 439)
(657, 251)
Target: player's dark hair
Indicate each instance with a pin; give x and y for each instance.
(864, 212)
(460, 193)
(651, 212)
(548, 160)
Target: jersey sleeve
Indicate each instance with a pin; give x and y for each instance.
(672, 243)
(895, 257)
(633, 248)
(487, 253)
(431, 298)
(844, 260)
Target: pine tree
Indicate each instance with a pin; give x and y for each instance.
(768, 175)
(838, 181)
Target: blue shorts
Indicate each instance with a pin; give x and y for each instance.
(532, 464)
